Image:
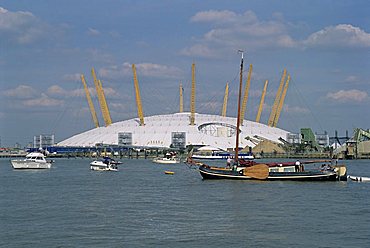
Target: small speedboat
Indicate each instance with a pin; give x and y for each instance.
(169, 158)
(33, 160)
(107, 164)
(359, 179)
(172, 160)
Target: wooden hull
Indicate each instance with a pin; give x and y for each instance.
(214, 173)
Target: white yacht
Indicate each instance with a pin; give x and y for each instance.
(107, 164)
(165, 160)
(33, 160)
(169, 158)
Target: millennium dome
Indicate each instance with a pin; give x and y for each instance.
(174, 130)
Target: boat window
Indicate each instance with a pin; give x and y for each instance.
(274, 169)
(289, 169)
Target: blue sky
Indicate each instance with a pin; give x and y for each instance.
(46, 45)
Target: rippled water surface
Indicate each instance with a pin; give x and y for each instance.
(140, 206)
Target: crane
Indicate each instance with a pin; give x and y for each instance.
(138, 99)
(89, 101)
(277, 100)
(258, 117)
(246, 93)
(101, 98)
(224, 106)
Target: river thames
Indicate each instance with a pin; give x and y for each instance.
(71, 206)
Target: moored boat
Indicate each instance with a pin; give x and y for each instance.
(359, 179)
(107, 164)
(166, 160)
(169, 158)
(275, 171)
(248, 170)
(33, 160)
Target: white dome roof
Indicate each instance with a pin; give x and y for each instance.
(211, 130)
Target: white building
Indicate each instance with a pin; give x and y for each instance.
(43, 140)
(174, 130)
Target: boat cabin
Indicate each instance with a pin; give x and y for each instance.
(35, 156)
(282, 169)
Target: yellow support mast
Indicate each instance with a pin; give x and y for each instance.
(105, 104)
(101, 98)
(261, 102)
(138, 99)
(89, 101)
(281, 103)
(226, 96)
(181, 99)
(277, 100)
(192, 102)
(246, 93)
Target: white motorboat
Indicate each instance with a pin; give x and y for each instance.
(33, 160)
(169, 158)
(172, 160)
(107, 164)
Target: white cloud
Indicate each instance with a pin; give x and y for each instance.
(230, 30)
(20, 27)
(30, 97)
(43, 101)
(199, 50)
(114, 34)
(342, 35)
(76, 77)
(295, 109)
(142, 69)
(93, 32)
(351, 79)
(81, 92)
(117, 106)
(157, 70)
(214, 16)
(56, 91)
(21, 92)
(100, 56)
(344, 96)
(108, 92)
(111, 93)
